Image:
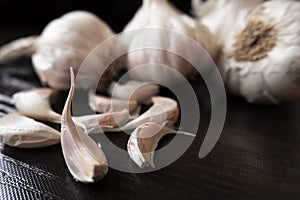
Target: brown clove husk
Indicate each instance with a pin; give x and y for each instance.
(85, 160)
(20, 131)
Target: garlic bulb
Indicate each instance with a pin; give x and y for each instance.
(85, 160)
(20, 131)
(221, 16)
(66, 42)
(261, 62)
(160, 15)
(144, 140)
(36, 104)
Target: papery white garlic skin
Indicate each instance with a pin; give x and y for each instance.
(160, 15)
(261, 62)
(36, 104)
(221, 16)
(22, 132)
(85, 160)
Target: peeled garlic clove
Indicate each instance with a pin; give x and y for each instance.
(144, 140)
(161, 15)
(105, 121)
(212, 13)
(163, 109)
(134, 91)
(85, 160)
(36, 104)
(104, 104)
(261, 62)
(20, 131)
(21, 47)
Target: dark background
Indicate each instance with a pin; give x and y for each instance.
(38, 13)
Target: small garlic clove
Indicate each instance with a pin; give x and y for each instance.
(163, 109)
(36, 104)
(144, 140)
(106, 121)
(85, 160)
(104, 104)
(20, 131)
(21, 47)
(134, 90)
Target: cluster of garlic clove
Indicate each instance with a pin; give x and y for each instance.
(160, 15)
(65, 42)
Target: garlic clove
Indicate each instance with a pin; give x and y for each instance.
(106, 121)
(104, 104)
(21, 47)
(144, 140)
(163, 109)
(161, 15)
(85, 160)
(261, 61)
(20, 131)
(134, 91)
(36, 104)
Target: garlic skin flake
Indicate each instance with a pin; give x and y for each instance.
(261, 62)
(22, 132)
(144, 140)
(85, 160)
(221, 16)
(160, 15)
(36, 104)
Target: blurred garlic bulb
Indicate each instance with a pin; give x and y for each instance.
(160, 15)
(84, 158)
(221, 16)
(20, 131)
(65, 42)
(261, 61)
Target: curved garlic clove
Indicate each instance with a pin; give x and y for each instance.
(36, 104)
(106, 121)
(261, 62)
(212, 13)
(134, 90)
(144, 140)
(20, 47)
(20, 131)
(85, 160)
(104, 104)
(160, 15)
(163, 109)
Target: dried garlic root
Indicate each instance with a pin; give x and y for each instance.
(144, 140)
(85, 160)
(20, 131)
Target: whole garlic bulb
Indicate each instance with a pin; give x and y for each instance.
(261, 61)
(66, 42)
(221, 16)
(159, 14)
